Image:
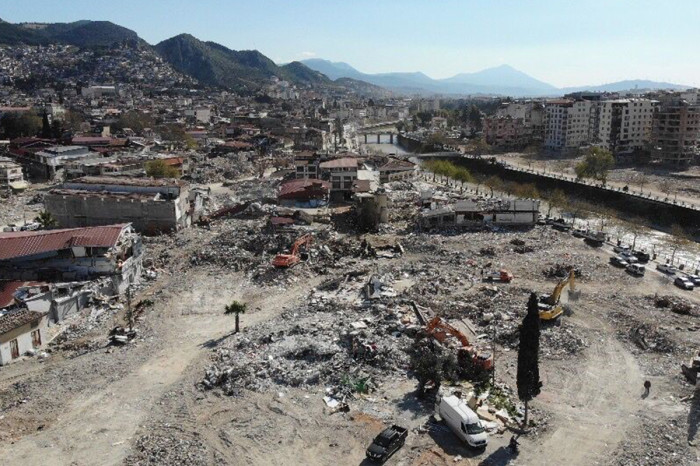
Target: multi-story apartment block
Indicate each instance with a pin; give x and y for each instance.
(624, 125)
(568, 123)
(676, 132)
(11, 176)
(507, 132)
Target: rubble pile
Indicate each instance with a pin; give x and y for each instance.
(169, 444)
(217, 169)
(645, 336)
(656, 442)
(325, 342)
(674, 304)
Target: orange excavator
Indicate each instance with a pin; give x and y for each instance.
(440, 330)
(294, 257)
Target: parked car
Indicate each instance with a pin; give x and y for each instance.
(30, 226)
(642, 256)
(463, 422)
(387, 443)
(619, 249)
(684, 283)
(667, 269)
(629, 257)
(636, 269)
(619, 261)
(10, 228)
(695, 279)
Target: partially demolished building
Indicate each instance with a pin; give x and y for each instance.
(75, 254)
(150, 205)
(478, 214)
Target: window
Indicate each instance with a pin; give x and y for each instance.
(36, 338)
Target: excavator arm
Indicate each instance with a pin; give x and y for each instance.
(556, 294)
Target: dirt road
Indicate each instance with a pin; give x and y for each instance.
(593, 402)
(98, 428)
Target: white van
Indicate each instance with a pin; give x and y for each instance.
(463, 421)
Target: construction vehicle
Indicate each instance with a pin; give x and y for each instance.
(294, 256)
(502, 276)
(441, 330)
(550, 307)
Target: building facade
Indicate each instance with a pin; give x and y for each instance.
(150, 205)
(676, 132)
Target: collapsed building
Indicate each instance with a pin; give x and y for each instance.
(150, 205)
(74, 254)
(46, 276)
(306, 192)
(478, 214)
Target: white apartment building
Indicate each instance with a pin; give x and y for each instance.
(624, 125)
(568, 124)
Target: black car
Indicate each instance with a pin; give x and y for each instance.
(387, 443)
(642, 256)
(618, 261)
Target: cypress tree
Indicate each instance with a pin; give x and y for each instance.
(528, 379)
(45, 126)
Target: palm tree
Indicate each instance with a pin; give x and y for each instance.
(236, 308)
(46, 220)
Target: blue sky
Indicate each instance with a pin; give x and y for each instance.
(563, 42)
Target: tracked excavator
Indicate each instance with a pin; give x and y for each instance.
(440, 330)
(284, 261)
(550, 306)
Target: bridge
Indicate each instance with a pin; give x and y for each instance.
(381, 130)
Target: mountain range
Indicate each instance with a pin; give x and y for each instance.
(247, 71)
(501, 80)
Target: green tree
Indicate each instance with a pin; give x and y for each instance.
(679, 239)
(494, 183)
(236, 308)
(475, 120)
(46, 220)
(556, 200)
(45, 126)
(17, 125)
(528, 377)
(159, 169)
(596, 164)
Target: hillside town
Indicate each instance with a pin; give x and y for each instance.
(314, 271)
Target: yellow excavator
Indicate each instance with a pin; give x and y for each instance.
(550, 307)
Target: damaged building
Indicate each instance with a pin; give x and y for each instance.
(475, 214)
(21, 332)
(76, 254)
(150, 205)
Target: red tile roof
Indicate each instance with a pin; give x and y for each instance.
(301, 185)
(345, 162)
(13, 320)
(29, 243)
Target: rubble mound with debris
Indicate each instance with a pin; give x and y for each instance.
(324, 342)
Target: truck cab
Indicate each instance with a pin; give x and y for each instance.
(463, 422)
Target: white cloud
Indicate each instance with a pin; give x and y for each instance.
(308, 54)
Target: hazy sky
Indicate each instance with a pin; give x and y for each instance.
(563, 42)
